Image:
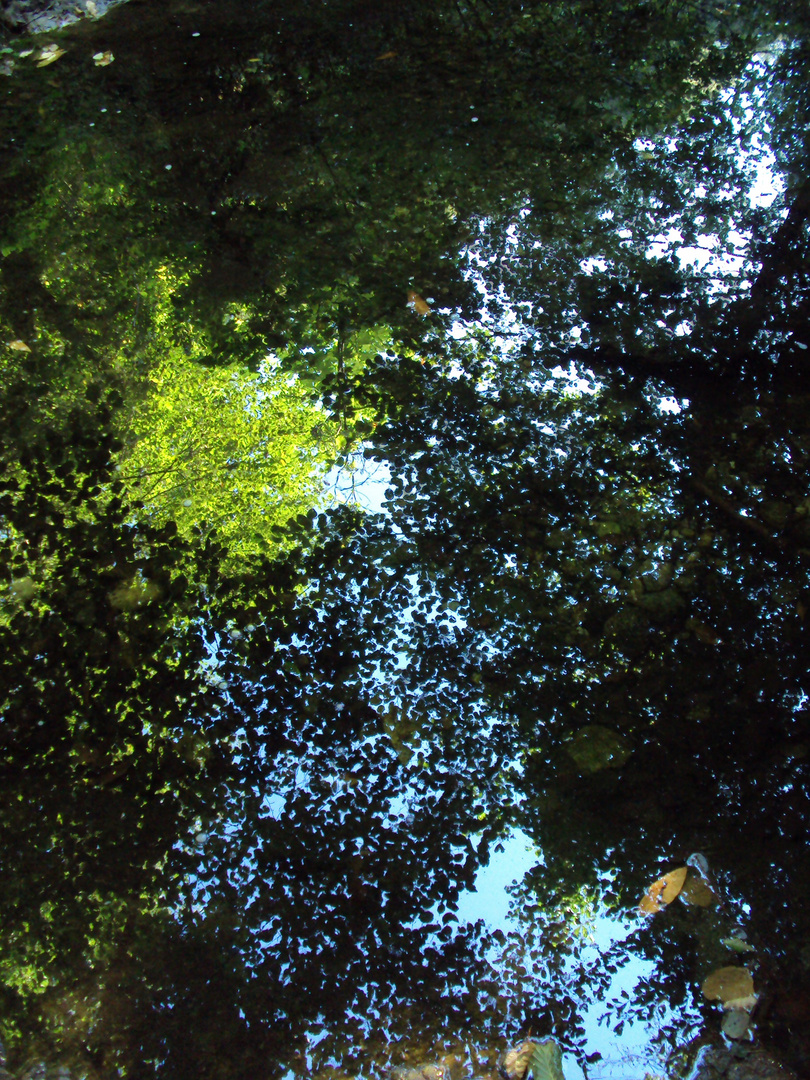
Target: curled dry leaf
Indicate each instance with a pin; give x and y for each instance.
(417, 304)
(729, 984)
(103, 59)
(663, 891)
(700, 863)
(515, 1062)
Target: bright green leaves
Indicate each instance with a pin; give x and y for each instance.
(224, 451)
(546, 1061)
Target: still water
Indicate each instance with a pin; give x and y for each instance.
(405, 532)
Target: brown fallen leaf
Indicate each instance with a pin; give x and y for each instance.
(663, 891)
(728, 984)
(696, 891)
(705, 633)
(387, 55)
(514, 1063)
(20, 346)
(416, 302)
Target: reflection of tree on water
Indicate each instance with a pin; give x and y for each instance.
(241, 796)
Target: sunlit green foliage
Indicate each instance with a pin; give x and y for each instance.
(226, 452)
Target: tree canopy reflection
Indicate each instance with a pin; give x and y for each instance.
(254, 744)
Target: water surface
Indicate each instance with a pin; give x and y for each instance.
(405, 530)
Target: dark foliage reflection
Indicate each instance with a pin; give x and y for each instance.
(250, 764)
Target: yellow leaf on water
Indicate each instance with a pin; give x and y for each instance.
(728, 984)
(514, 1063)
(416, 302)
(20, 346)
(737, 944)
(49, 54)
(663, 891)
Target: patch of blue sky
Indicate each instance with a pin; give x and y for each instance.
(359, 481)
(599, 930)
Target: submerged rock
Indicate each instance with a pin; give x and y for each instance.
(750, 1064)
(41, 16)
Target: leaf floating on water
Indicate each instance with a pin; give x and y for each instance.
(387, 55)
(48, 55)
(422, 1072)
(696, 891)
(663, 891)
(103, 59)
(595, 747)
(546, 1063)
(23, 589)
(736, 944)
(515, 1062)
(735, 1024)
(19, 346)
(705, 633)
(417, 304)
(729, 984)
